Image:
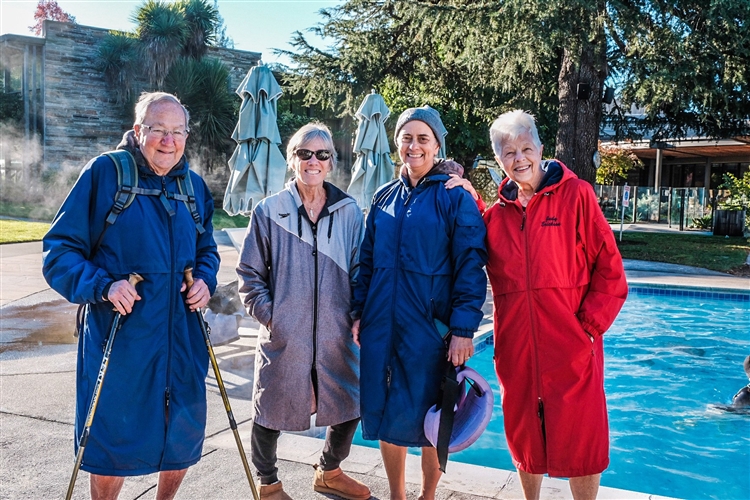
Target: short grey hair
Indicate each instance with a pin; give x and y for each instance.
(307, 134)
(509, 126)
(147, 99)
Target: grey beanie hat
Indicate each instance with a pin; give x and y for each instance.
(428, 115)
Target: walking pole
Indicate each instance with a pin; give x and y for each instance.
(133, 279)
(232, 424)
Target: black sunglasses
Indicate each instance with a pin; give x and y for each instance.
(306, 154)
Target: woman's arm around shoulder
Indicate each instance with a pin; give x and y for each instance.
(469, 256)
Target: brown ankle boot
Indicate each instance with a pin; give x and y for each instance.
(338, 483)
(273, 491)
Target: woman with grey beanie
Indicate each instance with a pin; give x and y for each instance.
(420, 274)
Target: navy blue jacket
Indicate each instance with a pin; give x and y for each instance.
(152, 410)
(421, 260)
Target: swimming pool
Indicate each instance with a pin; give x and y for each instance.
(670, 358)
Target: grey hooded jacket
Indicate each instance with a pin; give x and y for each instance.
(297, 277)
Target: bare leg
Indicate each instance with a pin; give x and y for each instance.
(531, 484)
(169, 482)
(105, 487)
(394, 460)
(431, 473)
(585, 487)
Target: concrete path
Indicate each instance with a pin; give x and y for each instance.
(37, 382)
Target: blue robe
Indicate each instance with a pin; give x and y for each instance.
(152, 409)
(421, 260)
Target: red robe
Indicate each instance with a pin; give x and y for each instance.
(557, 283)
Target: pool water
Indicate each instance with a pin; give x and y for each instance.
(671, 362)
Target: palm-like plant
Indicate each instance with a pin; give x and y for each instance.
(203, 20)
(163, 31)
(118, 60)
(203, 87)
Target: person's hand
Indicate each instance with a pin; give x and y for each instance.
(460, 350)
(198, 294)
(457, 181)
(123, 295)
(355, 332)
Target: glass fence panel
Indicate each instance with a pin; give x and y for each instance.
(665, 205)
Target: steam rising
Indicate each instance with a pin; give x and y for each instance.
(25, 181)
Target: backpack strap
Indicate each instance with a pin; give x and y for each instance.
(187, 195)
(127, 187)
(127, 182)
(449, 392)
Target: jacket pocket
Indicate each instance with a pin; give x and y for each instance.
(582, 333)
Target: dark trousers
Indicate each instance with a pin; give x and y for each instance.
(263, 443)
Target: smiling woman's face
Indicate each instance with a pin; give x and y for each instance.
(311, 172)
(417, 147)
(521, 159)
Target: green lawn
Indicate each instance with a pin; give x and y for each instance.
(16, 231)
(710, 252)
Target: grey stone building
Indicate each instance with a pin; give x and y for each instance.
(67, 111)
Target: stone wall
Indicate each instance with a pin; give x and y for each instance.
(82, 118)
(239, 63)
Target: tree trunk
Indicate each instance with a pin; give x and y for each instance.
(579, 118)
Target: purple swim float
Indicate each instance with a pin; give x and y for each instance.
(473, 412)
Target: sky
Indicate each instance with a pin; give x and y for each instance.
(254, 25)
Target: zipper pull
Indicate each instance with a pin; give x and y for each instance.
(166, 399)
(540, 410)
(523, 220)
(408, 196)
(163, 197)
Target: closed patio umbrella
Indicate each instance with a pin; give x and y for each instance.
(373, 166)
(258, 167)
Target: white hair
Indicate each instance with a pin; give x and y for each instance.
(509, 126)
(147, 99)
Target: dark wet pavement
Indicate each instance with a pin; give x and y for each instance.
(36, 325)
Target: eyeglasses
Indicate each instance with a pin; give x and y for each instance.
(178, 135)
(306, 154)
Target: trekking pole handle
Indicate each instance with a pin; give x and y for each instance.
(134, 279)
(188, 272)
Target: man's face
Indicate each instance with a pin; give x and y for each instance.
(162, 152)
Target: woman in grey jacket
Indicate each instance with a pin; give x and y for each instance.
(297, 266)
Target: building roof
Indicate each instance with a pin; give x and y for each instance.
(695, 149)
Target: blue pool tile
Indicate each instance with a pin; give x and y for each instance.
(739, 296)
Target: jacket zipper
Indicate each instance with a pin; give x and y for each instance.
(399, 224)
(167, 390)
(314, 228)
(540, 402)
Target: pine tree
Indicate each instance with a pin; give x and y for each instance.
(686, 63)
